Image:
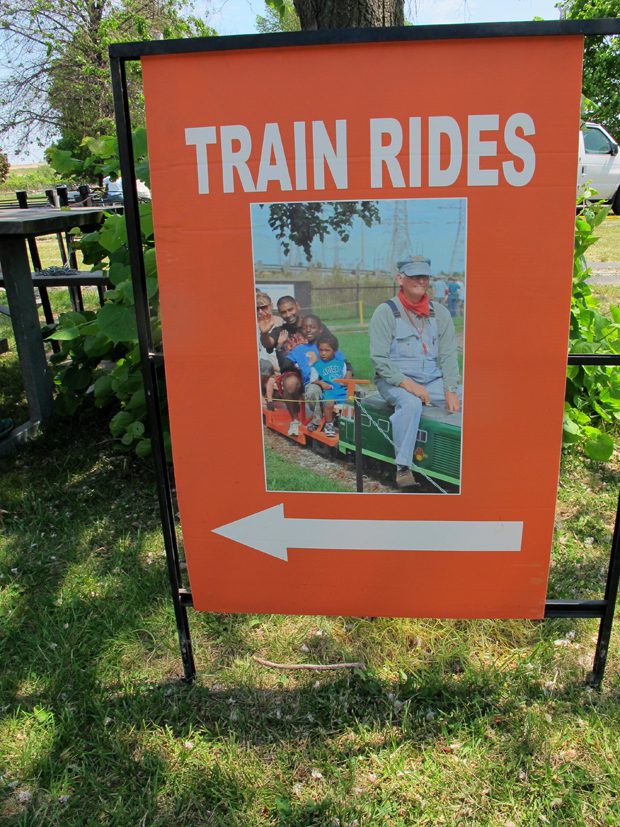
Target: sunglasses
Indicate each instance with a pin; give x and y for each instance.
(263, 306)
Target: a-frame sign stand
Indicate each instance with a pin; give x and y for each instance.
(153, 362)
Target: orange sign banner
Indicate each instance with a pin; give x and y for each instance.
(394, 219)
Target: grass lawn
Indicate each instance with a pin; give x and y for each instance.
(607, 248)
(284, 475)
(451, 722)
(12, 398)
(607, 294)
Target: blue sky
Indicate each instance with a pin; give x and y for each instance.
(239, 17)
(432, 227)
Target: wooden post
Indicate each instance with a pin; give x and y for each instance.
(85, 196)
(26, 327)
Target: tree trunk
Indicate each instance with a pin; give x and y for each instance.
(349, 14)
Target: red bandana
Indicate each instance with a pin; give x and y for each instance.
(421, 308)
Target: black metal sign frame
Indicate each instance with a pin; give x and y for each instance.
(151, 361)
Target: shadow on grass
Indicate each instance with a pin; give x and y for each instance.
(88, 632)
(12, 396)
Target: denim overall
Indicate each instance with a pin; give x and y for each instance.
(415, 351)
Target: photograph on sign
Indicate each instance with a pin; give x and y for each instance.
(359, 295)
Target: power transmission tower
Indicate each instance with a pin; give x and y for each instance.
(401, 246)
(458, 240)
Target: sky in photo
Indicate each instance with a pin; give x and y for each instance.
(432, 227)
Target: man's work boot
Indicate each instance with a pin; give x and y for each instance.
(404, 478)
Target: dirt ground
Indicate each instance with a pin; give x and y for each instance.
(375, 482)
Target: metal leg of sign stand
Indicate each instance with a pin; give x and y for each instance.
(359, 456)
(611, 593)
(602, 609)
(166, 508)
(150, 362)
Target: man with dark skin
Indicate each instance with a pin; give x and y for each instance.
(283, 339)
(303, 357)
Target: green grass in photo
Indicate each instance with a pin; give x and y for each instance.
(284, 474)
(449, 722)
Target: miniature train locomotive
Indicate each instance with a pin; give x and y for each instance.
(437, 452)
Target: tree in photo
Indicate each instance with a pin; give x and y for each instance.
(300, 224)
(601, 63)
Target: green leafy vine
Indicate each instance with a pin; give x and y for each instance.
(592, 401)
(99, 357)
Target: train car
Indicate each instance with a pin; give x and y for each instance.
(437, 452)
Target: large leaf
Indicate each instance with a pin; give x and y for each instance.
(65, 334)
(63, 162)
(96, 347)
(118, 323)
(143, 448)
(138, 137)
(113, 234)
(151, 287)
(124, 293)
(119, 272)
(571, 432)
(136, 429)
(599, 447)
(77, 378)
(146, 220)
(150, 263)
(105, 146)
(143, 173)
(103, 390)
(67, 403)
(137, 401)
(119, 423)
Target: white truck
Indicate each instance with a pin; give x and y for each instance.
(599, 164)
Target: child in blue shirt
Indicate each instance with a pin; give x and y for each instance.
(329, 367)
(304, 356)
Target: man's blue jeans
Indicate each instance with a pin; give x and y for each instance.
(406, 417)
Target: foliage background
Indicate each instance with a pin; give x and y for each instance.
(601, 63)
(58, 79)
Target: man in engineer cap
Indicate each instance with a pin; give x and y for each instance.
(413, 349)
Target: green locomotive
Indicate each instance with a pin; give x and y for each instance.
(437, 452)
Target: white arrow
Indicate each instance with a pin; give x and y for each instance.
(273, 533)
